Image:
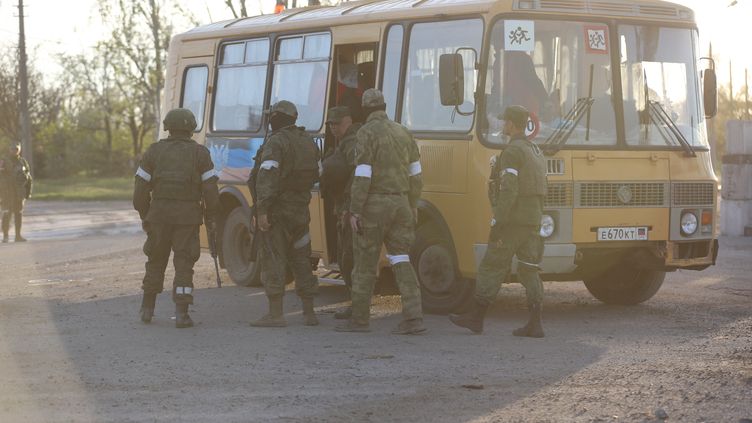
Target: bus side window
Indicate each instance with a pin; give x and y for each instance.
(241, 85)
(422, 110)
(193, 96)
(300, 76)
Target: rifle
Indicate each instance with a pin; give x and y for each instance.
(211, 232)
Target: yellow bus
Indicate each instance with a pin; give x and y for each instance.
(618, 93)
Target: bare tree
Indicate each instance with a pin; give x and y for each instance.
(140, 34)
(243, 10)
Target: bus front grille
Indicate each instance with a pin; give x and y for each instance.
(621, 194)
(559, 195)
(693, 194)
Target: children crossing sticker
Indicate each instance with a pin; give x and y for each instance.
(596, 39)
(519, 35)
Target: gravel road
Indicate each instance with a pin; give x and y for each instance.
(72, 348)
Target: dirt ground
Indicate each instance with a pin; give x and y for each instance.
(72, 348)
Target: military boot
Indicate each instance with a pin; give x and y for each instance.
(147, 307)
(409, 327)
(309, 316)
(473, 319)
(182, 319)
(5, 237)
(275, 318)
(533, 328)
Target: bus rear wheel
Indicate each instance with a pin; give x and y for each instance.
(625, 285)
(442, 288)
(236, 249)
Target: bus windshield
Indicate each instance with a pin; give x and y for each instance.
(659, 76)
(561, 71)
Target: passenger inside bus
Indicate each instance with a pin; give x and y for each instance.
(352, 81)
(518, 84)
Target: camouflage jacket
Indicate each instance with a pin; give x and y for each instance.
(346, 148)
(15, 178)
(387, 162)
(288, 169)
(517, 186)
(171, 210)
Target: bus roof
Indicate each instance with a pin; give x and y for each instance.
(363, 11)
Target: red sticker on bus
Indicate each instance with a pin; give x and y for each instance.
(596, 39)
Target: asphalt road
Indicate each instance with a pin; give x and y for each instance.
(72, 348)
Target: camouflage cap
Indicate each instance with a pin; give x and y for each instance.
(284, 107)
(373, 98)
(180, 120)
(336, 114)
(518, 115)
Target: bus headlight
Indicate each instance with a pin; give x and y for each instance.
(688, 223)
(547, 226)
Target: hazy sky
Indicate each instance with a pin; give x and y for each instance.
(55, 26)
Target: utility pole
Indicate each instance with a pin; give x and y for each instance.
(746, 95)
(731, 88)
(23, 113)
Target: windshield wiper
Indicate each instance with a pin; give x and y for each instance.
(561, 134)
(658, 115)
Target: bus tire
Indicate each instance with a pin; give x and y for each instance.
(625, 285)
(442, 288)
(236, 247)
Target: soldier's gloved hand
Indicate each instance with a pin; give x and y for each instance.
(145, 226)
(355, 224)
(263, 223)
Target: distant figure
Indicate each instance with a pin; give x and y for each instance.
(175, 185)
(15, 189)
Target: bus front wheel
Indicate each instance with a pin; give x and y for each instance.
(625, 285)
(442, 288)
(236, 249)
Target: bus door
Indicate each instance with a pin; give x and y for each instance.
(354, 72)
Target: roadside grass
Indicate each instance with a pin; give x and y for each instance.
(83, 188)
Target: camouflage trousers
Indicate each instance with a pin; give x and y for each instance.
(287, 246)
(505, 243)
(345, 250)
(183, 240)
(387, 220)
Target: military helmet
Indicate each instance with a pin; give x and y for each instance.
(518, 115)
(373, 98)
(180, 120)
(284, 107)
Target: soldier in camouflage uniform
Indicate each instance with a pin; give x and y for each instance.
(15, 189)
(287, 167)
(517, 189)
(340, 169)
(175, 185)
(383, 209)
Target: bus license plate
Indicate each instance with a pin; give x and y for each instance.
(623, 234)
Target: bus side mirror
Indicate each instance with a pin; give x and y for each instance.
(451, 80)
(710, 92)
